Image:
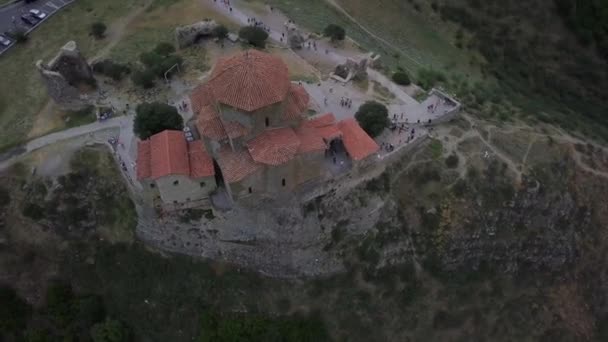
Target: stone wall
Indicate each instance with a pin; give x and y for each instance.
(63, 74)
(187, 35)
(182, 189)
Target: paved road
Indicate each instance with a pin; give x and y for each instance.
(117, 122)
(10, 16)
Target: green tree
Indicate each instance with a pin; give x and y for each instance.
(159, 63)
(220, 31)
(164, 49)
(111, 330)
(143, 78)
(373, 117)
(14, 311)
(152, 118)
(60, 303)
(5, 197)
(254, 36)
(428, 78)
(334, 32)
(98, 29)
(107, 67)
(19, 35)
(401, 78)
(451, 161)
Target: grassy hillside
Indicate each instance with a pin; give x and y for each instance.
(540, 62)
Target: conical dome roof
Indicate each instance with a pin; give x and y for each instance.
(249, 80)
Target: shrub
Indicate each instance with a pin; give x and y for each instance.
(401, 78)
(60, 303)
(14, 311)
(220, 32)
(451, 161)
(428, 78)
(159, 63)
(33, 211)
(152, 118)
(334, 32)
(143, 78)
(116, 71)
(111, 331)
(18, 35)
(373, 117)
(5, 197)
(164, 49)
(98, 29)
(254, 36)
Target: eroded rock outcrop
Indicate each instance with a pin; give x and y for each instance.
(63, 76)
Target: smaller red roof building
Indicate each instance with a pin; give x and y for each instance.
(310, 140)
(209, 124)
(236, 165)
(357, 142)
(168, 153)
(201, 163)
(274, 146)
(325, 125)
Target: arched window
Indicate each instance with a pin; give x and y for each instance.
(283, 182)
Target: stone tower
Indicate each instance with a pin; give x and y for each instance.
(64, 73)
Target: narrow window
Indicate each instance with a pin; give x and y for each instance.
(202, 184)
(283, 182)
(267, 122)
(152, 185)
(250, 190)
(175, 182)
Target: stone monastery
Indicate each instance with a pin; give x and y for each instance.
(255, 138)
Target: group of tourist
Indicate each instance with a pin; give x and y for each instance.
(182, 106)
(226, 3)
(346, 102)
(258, 23)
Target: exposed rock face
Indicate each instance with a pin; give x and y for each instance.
(63, 74)
(188, 35)
(294, 37)
(354, 69)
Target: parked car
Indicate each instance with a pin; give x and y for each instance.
(37, 13)
(4, 41)
(29, 19)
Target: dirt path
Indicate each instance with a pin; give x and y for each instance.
(117, 30)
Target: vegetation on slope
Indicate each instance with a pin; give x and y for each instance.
(540, 65)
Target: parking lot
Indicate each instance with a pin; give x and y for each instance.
(10, 16)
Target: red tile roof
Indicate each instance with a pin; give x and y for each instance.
(201, 96)
(249, 80)
(274, 146)
(168, 153)
(297, 102)
(310, 140)
(358, 144)
(236, 165)
(326, 126)
(201, 164)
(209, 125)
(321, 120)
(144, 170)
